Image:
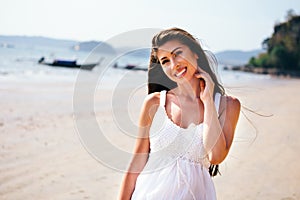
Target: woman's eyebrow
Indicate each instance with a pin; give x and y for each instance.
(171, 52)
(175, 50)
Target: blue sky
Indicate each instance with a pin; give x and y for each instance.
(223, 25)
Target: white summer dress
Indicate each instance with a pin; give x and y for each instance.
(177, 167)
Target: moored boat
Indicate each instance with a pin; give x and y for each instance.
(68, 64)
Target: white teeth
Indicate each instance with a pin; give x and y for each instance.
(181, 72)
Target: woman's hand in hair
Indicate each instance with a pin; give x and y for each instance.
(206, 85)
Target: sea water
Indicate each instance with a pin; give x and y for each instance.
(21, 63)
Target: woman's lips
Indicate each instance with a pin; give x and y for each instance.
(181, 72)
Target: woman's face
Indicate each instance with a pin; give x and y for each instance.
(177, 60)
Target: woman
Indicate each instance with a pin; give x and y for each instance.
(197, 129)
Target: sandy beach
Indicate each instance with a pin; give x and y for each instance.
(42, 155)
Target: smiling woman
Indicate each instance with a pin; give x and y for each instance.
(176, 161)
(177, 62)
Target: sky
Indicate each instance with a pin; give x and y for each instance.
(222, 25)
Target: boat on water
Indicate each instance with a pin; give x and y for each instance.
(134, 67)
(130, 67)
(69, 63)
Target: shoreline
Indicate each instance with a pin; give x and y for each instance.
(265, 71)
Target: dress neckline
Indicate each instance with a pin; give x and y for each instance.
(182, 128)
(163, 97)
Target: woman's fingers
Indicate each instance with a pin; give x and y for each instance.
(202, 84)
(200, 75)
(206, 83)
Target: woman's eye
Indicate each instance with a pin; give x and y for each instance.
(164, 62)
(177, 53)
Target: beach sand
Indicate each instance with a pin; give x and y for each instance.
(42, 155)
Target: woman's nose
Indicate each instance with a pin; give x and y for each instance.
(173, 63)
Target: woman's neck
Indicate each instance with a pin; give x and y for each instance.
(189, 89)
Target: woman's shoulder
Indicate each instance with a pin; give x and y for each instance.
(150, 106)
(232, 102)
(152, 99)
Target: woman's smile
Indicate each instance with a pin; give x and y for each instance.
(180, 72)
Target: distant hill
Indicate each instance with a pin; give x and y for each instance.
(18, 41)
(236, 57)
(95, 46)
(30, 41)
(137, 52)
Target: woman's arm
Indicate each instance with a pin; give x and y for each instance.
(142, 146)
(218, 131)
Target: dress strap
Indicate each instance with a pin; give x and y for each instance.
(163, 95)
(217, 101)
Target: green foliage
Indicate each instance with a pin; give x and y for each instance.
(252, 62)
(283, 48)
(263, 60)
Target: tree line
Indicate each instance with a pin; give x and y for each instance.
(282, 48)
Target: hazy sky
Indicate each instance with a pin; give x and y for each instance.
(222, 24)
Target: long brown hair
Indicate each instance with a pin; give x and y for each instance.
(157, 79)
